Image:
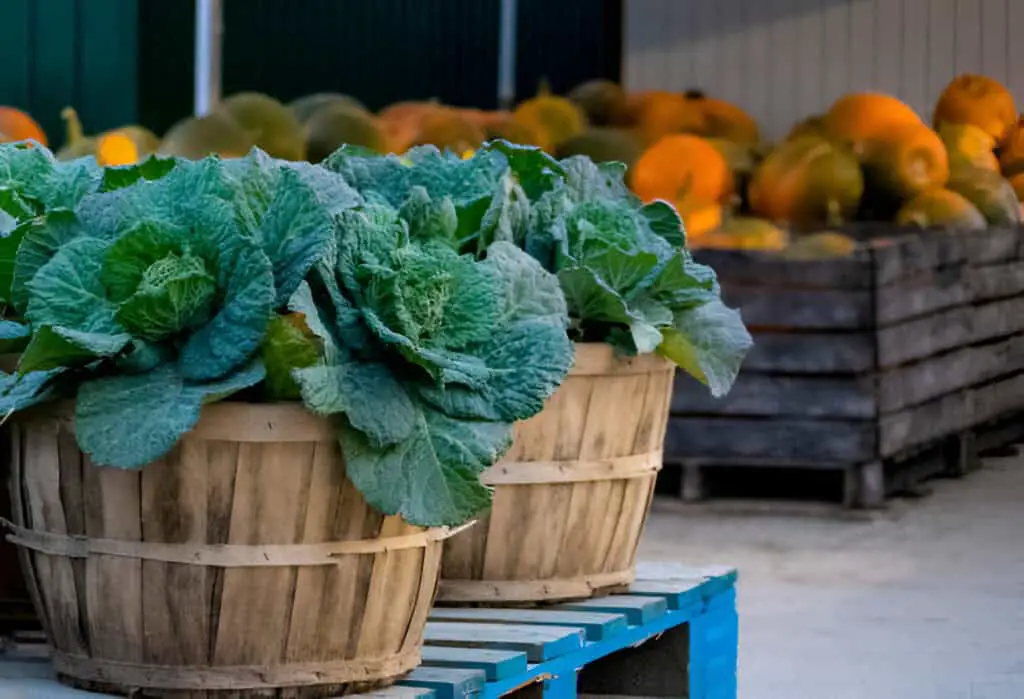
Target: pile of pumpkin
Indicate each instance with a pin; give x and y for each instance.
(869, 157)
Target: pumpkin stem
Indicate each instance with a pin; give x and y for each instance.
(544, 88)
(74, 134)
(694, 94)
(835, 214)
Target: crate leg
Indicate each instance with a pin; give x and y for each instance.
(693, 483)
(961, 455)
(871, 484)
(851, 486)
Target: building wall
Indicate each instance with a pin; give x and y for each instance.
(381, 51)
(787, 59)
(59, 53)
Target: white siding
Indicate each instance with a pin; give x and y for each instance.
(783, 60)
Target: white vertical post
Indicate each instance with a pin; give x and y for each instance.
(209, 30)
(507, 54)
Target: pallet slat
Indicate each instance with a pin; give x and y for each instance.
(538, 642)
(497, 664)
(400, 693)
(447, 683)
(598, 626)
(638, 609)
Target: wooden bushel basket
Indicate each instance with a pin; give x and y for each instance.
(244, 561)
(572, 495)
(15, 607)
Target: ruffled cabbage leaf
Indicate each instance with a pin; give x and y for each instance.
(623, 266)
(429, 355)
(160, 294)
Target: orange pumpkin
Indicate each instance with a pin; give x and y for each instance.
(906, 160)
(700, 219)
(1017, 182)
(724, 119)
(116, 148)
(16, 125)
(807, 180)
(746, 233)
(656, 114)
(858, 117)
(682, 167)
(553, 119)
(400, 123)
(1011, 153)
(448, 129)
(980, 101)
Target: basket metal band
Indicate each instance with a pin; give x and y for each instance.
(531, 590)
(194, 677)
(575, 471)
(220, 555)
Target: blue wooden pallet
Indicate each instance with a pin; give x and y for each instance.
(674, 633)
(489, 653)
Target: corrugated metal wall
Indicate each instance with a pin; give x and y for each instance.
(381, 51)
(786, 59)
(56, 53)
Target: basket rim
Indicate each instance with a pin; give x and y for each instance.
(602, 359)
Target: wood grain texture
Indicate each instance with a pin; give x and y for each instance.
(939, 351)
(196, 631)
(756, 394)
(784, 439)
(572, 495)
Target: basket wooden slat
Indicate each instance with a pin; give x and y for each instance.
(572, 495)
(15, 604)
(290, 626)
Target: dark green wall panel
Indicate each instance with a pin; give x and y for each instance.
(380, 51)
(54, 69)
(81, 53)
(15, 52)
(567, 42)
(127, 61)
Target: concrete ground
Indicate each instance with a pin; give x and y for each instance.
(925, 602)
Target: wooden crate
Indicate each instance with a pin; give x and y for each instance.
(674, 634)
(862, 362)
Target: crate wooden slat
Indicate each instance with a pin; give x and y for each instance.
(862, 361)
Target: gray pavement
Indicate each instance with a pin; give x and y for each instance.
(925, 602)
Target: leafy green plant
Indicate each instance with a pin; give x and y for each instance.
(184, 284)
(623, 266)
(32, 183)
(154, 297)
